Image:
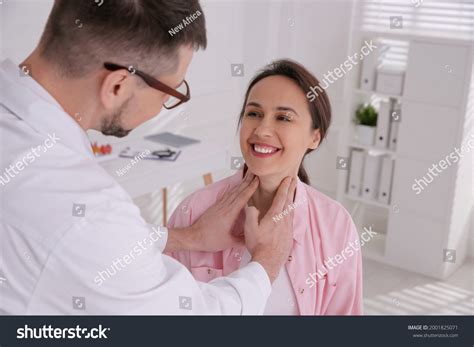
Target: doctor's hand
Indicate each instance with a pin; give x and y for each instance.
(269, 241)
(212, 232)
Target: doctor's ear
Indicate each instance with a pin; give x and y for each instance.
(315, 139)
(116, 88)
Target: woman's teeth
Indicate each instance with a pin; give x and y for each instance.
(263, 149)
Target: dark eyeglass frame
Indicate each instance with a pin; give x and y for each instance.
(166, 153)
(154, 83)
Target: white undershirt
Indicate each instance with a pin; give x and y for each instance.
(282, 300)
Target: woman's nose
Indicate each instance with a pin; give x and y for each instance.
(263, 130)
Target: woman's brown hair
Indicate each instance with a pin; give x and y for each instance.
(319, 107)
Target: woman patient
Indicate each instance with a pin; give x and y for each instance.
(279, 125)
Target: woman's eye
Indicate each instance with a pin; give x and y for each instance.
(252, 114)
(284, 118)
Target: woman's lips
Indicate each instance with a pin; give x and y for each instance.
(263, 151)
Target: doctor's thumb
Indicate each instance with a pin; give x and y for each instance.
(251, 215)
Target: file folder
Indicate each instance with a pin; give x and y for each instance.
(371, 177)
(383, 125)
(355, 173)
(385, 187)
(394, 125)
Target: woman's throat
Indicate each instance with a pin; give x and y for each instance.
(263, 197)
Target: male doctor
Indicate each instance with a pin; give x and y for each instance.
(64, 222)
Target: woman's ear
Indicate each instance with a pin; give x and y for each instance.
(315, 139)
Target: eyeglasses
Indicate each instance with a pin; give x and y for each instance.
(179, 95)
(165, 153)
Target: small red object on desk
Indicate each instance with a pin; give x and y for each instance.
(101, 150)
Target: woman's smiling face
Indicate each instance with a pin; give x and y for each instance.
(276, 129)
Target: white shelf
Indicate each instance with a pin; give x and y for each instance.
(373, 92)
(411, 234)
(365, 201)
(372, 148)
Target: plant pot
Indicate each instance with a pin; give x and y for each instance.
(365, 134)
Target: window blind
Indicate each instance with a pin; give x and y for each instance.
(439, 18)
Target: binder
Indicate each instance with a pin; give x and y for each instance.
(368, 72)
(370, 64)
(355, 173)
(383, 125)
(385, 188)
(371, 177)
(393, 136)
(390, 80)
(394, 125)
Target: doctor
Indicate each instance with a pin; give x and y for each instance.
(71, 239)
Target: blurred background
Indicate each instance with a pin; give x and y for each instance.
(408, 105)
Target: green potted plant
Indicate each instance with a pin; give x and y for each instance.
(366, 120)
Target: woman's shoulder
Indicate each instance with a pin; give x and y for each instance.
(330, 214)
(323, 201)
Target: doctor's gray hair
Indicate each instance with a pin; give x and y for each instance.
(81, 35)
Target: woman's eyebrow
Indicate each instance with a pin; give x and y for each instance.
(279, 108)
(253, 103)
(285, 108)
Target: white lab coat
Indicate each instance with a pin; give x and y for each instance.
(54, 262)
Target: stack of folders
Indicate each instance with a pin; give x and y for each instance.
(387, 124)
(370, 176)
(370, 65)
(395, 119)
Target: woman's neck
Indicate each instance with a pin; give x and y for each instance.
(263, 197)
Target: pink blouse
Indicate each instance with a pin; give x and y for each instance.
(325, 263)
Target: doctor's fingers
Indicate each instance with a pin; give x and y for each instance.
(229, 194)
(248, 181)
(291, 193)
(251, 218)
(289, 202)
(281, 197)
(242, 195)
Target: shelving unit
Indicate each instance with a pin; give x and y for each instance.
(380, 95)
(373, 148)
(366, 201)
(414, 228)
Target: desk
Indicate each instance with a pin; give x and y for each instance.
(146, 176)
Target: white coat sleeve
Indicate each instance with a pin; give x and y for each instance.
(110, 262)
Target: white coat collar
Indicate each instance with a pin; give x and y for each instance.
(30, 102)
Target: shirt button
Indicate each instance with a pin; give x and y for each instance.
(301, 290)
(208, 271)
(290, 258)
